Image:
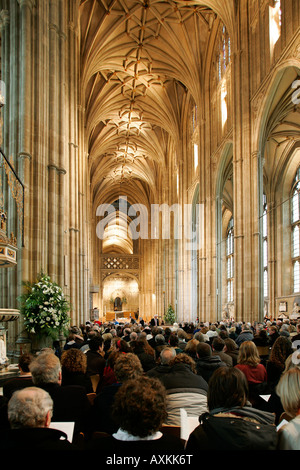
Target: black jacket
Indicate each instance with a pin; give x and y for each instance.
(251, 429)
(32, 439)
(181, 376)
(207, 365)
(70, 403)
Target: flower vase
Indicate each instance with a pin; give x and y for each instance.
(39, 342)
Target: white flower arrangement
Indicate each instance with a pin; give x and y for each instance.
(45, 308)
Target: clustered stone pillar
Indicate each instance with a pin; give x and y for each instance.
(41, 133)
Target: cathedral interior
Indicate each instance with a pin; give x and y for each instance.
(151, 154)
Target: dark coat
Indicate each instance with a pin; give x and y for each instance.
(16, 383)
(102, 407)
(230, 433)
(32, 439)
(95, 363)
(147, 360)
(207, 365)
(159, 370)
(180, 375)
(70, 403)
(77, 378)
(246, 335)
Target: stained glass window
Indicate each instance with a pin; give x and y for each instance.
(295, 221)
(223, 52)
(230, 260)
(265, 245)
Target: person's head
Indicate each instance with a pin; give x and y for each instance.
(184, 358)
(140, 406)
(227, 388)
(166, 355)
(30, 407)
(288, 389)
(293, 360)
(203, 350)
(223, 334)
(230, 345)
(91, 334)
(181, 334)
(173, 340)
(263, 333)
(248, 354)
(218, 344)
(96, 343)
(272, 330)
(73, 360)
(281, 349)
(245, 327)
(122, 346)
(191, 347)
(160, 340)
(127, 366)
(45, 368)
(139, 346)
(199, 336)
(24, 361)
(133, 336)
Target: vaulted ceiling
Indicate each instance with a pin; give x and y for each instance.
(140, 59)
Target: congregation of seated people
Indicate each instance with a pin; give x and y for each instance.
(127, 384)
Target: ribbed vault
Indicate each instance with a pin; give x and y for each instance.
(142, 66)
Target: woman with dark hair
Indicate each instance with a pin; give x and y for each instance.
(232, 350)
(231, 424)
(74, 367)
(173, 342)
(122, 346)
(281, 350)
(139, 410)
(147, 360)
(261, 337)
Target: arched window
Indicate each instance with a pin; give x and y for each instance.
(295, 222)
(274, 23)
(223, 52)
(194, 118)
(265, 245)
(230, 260)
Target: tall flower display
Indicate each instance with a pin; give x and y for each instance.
(45, 308)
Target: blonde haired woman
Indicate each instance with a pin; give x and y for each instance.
(249, 363)
(288, 389)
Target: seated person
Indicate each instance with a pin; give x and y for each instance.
(139, 411)
(29, 413)
(185, 389)
(127, 366)
(231, 424)
(74, 365)
(250, 364)
(288, 389)
(70, 402)
(95, 357)
(206, 363)
(23, 380)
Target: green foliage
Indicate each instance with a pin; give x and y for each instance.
(44, 308)
(170, 316)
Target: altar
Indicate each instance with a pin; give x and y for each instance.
(122, 316)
